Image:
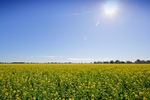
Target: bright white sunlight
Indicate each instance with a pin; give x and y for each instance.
(110, 8)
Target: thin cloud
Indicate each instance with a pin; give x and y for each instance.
(79, 59)
(77, 14)
(48, 57)
(51, 57)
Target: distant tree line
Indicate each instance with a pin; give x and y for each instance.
(138, 61)
(37, 62)
(12, 62)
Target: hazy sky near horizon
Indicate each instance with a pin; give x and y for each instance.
(74, 30)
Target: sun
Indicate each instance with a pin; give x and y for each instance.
(110, 8)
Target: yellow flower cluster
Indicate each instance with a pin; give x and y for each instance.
(74, 81)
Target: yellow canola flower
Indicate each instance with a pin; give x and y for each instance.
(16, 95)
(6, 93)
(71, 98)
(44, 93)
(136, 96)
(104, 79)
(144, 98)
(56, 93)
(141, 93)
(34, 98)
(24, 94)
(79, 87)
(18, 98)
(92, 95)
(24, 87)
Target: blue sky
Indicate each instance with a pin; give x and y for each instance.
(74, 30)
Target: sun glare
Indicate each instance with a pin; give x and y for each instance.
(110, 9)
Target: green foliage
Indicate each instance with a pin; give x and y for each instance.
(74, 81)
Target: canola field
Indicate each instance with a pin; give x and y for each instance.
(74, 81)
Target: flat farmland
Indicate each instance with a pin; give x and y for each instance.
(74, 81)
